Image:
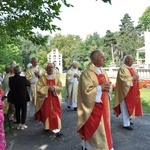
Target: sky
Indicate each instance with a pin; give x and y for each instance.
(89, 16)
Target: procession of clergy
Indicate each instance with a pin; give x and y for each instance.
(88, 94)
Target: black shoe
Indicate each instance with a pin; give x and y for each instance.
(128, 128)
(46, 130)
(75, 109)
(131, 123)
(68, 107)
(83, 149)
(58, 134)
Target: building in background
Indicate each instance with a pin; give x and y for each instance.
(55, 57)
(146, 50)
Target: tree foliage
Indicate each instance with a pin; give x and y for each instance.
(110, 47)
(144, 20)
(128, 38)
(21, 17)
(28, 50)
(70, 46)
(9, 53)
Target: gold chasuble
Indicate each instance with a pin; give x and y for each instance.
(93, 119)
(124, 91)
(30, 75)
(48, 106)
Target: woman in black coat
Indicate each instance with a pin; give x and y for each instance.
(19, 96)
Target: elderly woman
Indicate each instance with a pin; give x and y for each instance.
(19, 96)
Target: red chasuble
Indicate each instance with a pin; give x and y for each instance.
(50, 109)
(132, 100)
(99, 110)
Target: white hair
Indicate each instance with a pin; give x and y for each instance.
(126, 57)
(74, 62)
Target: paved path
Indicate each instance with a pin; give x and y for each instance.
(35, 138)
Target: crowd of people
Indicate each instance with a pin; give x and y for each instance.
(87, 93)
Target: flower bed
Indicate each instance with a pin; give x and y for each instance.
(144, 84)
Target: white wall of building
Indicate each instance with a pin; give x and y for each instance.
(147, 48)
(55, 57)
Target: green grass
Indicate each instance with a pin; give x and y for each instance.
(145, 98)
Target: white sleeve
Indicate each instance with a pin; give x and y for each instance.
(98, 94)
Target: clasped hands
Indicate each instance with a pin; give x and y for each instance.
(51, 88)
(136, 77)
(76, 75)
(37, 74)
(105, 86)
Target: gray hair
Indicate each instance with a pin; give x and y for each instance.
(13, 63)
(94, 53)
(34, 58)
(126, 58)
(17, 69)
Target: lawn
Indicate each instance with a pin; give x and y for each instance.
(145, 95)
(145, 98)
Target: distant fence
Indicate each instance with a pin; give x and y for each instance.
(144, 74)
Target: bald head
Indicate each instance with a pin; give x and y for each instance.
(97, 58)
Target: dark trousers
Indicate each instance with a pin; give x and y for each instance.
(21, 112)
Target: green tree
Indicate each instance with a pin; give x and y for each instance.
(42, 57)
(19, 18)
(144, 20)
(28, 50)
(127, 42)
(92, 42)
(8, 53)
(110, 47)
(71, 47)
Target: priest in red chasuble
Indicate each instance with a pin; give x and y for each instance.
(48, 106)
(93, 109)
(127, 95)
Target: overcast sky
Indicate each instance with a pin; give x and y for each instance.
(89, 16)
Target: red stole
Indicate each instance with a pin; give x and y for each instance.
(50, 109)
(132, 99)
(99, 110)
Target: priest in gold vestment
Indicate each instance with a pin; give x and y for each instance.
(93, 109)
(48, 106)
(127, 95)
(32, 74)
(72, 80)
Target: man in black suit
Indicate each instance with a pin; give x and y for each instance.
(19, 96)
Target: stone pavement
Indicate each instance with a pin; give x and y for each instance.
(35, 138)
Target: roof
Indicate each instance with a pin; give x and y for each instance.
(142, 49)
